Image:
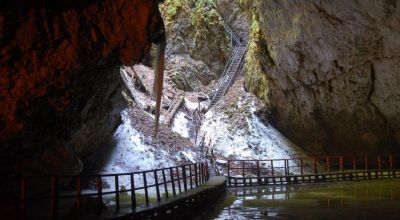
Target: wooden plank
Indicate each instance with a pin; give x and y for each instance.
(173, 110)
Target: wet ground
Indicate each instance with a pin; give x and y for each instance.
(379, 199)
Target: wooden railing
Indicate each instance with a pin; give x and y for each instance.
(249, 170)
(162, 183)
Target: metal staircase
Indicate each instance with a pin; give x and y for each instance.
(232, 68)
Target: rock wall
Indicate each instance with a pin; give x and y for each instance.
(198, 47)
(60, 89)
(329, 71)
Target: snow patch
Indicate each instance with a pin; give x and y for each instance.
(255, 141)
(191, 105)
(131, 154)
(180, 124)
(188, 156)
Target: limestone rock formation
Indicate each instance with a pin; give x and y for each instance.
(329, 71)
(58, 81)
(197, 45)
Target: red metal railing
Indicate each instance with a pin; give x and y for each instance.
(308, 166)
(52, 190)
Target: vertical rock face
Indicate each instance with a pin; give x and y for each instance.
(329, 70)
(197, 44)
(60, 90)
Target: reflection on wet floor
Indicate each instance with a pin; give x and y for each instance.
(378, 199)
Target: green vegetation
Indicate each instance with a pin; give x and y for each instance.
(255, 75)
(200, 11)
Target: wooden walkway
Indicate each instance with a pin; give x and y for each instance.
(53, 197)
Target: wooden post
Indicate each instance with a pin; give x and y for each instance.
(258, 173)
(116, 193)
(327, 164)
(146, 193)
(133, 195)
(53, 189)
(390, 162)
(366, 162)
(229, 173)
(22, 199)
(157, 186)
(354, 164)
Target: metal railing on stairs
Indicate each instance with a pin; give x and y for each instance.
(231, 70)
(233, 66)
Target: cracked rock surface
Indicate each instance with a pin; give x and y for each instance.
(330, 72)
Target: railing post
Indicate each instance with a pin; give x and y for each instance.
(171, 173)
(196, 180)
(179, 179)
(366, 162)
(201, 173)
(285, 165)
(206, 172)
(165, 183)
(22, 199)
(78, 193)
(301, 166)
(327, 165)
(53, 197)
(99, 186)
(229, 173)
(272, 167)
(157, 186)
(184, 177)
(341, 163)
(146, 193)
(133, 194)
(243, 168)
(354, 164)
(390, 161)
(258, 173)
(190, 176)
(116, 178)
